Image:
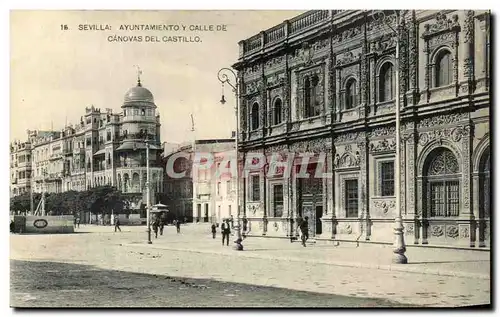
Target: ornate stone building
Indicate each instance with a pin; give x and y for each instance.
(105, 148)
(324, 82)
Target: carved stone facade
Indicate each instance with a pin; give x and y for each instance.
(352, 136)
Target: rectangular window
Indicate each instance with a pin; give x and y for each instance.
(387, 179)
(229, 209)
(228, 187)
(218, 188)
(278, 200)
(444, 199)
(351, 198)
(255, 181)
(108, 136)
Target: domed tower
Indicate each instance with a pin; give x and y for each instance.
(139, 126)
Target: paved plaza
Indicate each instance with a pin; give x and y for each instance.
(326, 275)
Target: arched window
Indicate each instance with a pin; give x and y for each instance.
(444, 69)
(442, 184)
(255, 116)
(277, 110)
(351, 97)
(387, 83)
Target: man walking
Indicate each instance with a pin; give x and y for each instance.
(214, 230)
(226, 231)
(304, 229)
(178, 225)
(155, 228)
(162, 225)
(117, 224)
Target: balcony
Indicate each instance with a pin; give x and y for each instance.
(54, 157)
(138, 136)
(203, 189)
(279, 33)
(13, 181)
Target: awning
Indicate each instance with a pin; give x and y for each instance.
(132, 146)
(100, 152)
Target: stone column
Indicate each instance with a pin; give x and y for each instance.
(474, 234)
(466, 213)
(467, 86)
(364, 220)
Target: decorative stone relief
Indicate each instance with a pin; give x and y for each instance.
(311, 146)
(253, 87)
(275, 62)
(347, 34)
(382, 131)
(442, 120)
(306, 53)
(384, 205)
(275, 79)
(346, 160)
(252, 70)
(464, 232)
(442, 23)
(348, 58)
(346, 137)
(276, 226)
(452, 231)
(410, 229)
(437, 231)
(345, 229)
(382, 44)
(382, 146)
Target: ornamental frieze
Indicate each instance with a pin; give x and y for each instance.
(445, 38)
(382, 131)
(345, 229)
(311, 146)
(279, 148)
(382, 146)
(321, 44)
(274, 62)
(442, 23)
(346, 137)
(347, 34)
(442, 120)
(454, 134)
(348, 58)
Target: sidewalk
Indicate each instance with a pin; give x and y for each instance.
(444, 262)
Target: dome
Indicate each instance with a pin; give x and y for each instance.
(138, 93)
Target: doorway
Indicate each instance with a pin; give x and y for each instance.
(198, 213)
(205, 218)
(310, 200)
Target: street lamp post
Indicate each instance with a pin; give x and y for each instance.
(399, 243)
(223, 77)
(148, 194)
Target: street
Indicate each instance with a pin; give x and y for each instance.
(97, 267)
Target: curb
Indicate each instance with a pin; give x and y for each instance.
(385, 267)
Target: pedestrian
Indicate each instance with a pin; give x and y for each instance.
(304, 229)
(162, 225)
(226, 231)
(78, 223)
(178, 226)
(117, 224)
(214, 230)
(12, 226)
(155, 228)
(74, 222)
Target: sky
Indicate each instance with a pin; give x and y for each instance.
(55, 73)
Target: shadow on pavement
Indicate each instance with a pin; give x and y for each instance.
(54, 284)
